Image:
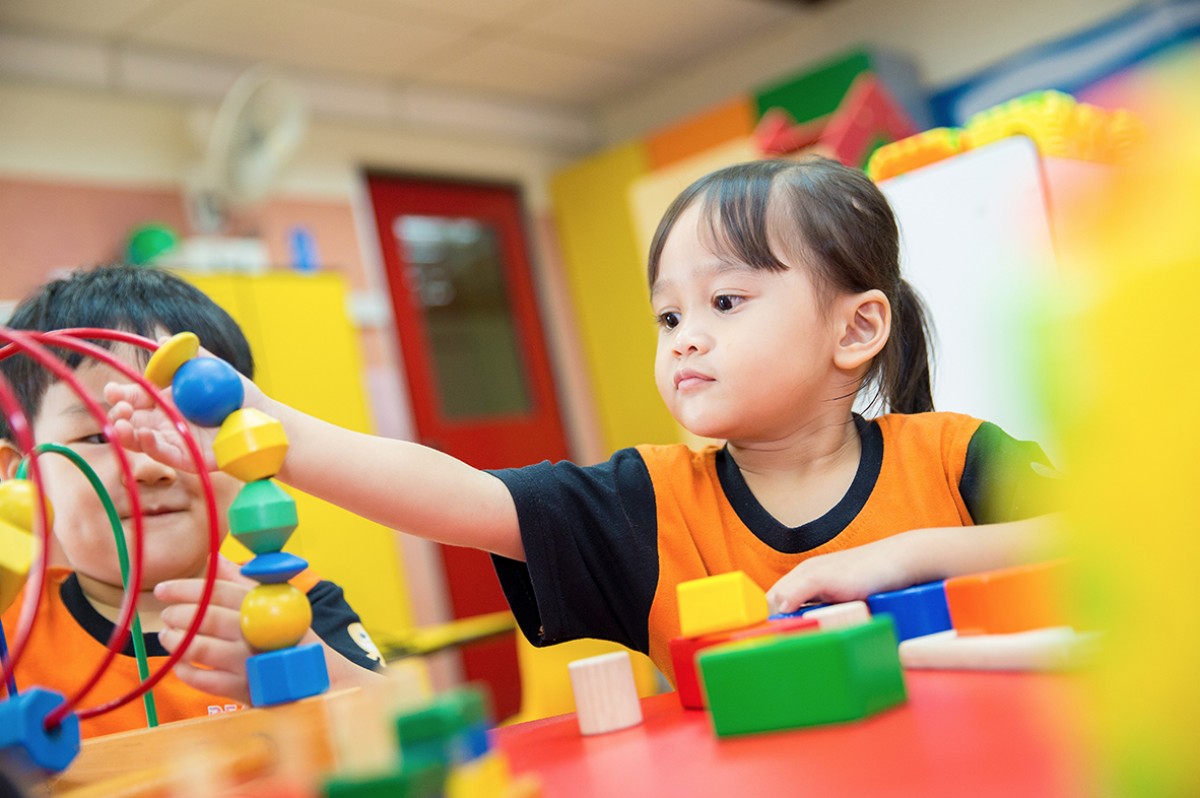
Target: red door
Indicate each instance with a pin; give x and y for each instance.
(475, 356)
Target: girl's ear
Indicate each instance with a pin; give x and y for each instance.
(867, 320)
(10, 458)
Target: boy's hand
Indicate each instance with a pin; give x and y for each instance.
(215, 661)
(847, 575)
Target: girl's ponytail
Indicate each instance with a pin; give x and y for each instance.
(904, 378)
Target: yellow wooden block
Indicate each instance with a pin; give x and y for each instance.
(483, 777)
(166, 360)
(718, 603)
(250, 445)
(18, 498)
(16, 557)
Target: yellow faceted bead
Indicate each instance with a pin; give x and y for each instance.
(250, 445)
(721, 602)
(275, 616)
(18, 504)
(173, 353)
(16, 557)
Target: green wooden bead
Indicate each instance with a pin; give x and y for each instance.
(263, 516)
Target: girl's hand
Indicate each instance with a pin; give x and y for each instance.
(215, 662)
(847, 575)
(142, 426)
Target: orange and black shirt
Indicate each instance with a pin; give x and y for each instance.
(70, 637)
(606, 545)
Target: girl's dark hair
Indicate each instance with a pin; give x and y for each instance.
(839, 222)
(137, 299)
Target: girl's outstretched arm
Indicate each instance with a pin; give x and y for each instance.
(402, 485)
(910, 558)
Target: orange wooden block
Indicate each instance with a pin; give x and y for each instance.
(701, 132)
(1010, 599)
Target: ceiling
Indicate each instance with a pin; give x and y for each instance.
(571, 53)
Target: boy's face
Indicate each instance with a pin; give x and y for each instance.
(743, 354)
(175, 521)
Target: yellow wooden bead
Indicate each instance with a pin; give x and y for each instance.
(275, 616)
(173, 353)
(16, 557)
(250, 445)
(18, 504)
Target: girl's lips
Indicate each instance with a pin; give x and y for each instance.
(686, 377)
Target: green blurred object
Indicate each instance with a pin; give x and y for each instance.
(149, 241)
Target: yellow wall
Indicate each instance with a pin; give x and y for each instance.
(307, 355)
(605, 268)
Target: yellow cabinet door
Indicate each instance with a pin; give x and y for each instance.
(307, 355)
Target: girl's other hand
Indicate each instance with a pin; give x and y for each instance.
(847, 575)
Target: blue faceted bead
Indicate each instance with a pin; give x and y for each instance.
(274, 567)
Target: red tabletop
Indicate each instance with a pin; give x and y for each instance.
(960, 734)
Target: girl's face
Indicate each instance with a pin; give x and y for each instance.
(175, 519)
(743, 354)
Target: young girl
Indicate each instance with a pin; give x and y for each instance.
(778, 297)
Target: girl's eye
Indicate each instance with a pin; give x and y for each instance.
(98, 439)
(668, 320)
(726, 301)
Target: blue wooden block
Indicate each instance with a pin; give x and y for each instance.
(274, 567)
(916, 611)
(288, 674)
(206, 390)
(23, 735)
(780, 616)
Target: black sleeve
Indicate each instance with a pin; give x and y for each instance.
(591, 550)
(1005, 479)
(340, 627)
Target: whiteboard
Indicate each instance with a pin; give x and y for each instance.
(975, 237)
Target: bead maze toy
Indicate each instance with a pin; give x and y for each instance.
(438, 746)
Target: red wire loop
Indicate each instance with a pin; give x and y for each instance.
(75, 340)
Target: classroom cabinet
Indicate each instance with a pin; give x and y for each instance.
(307, 354)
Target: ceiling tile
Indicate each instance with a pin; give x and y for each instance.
(73, 16)
(479, 11)
(542, 74)
(309, 36)
(666, 32)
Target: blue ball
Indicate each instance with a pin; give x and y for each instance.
(206, 390)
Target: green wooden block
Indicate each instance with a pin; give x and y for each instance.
(424, 781)
(263, 516)
(787, 682)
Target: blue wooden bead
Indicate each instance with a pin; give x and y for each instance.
(274, 567)
(206, 390)
(23, 735)
(289, 674)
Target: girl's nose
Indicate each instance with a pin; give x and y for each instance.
(690, 336)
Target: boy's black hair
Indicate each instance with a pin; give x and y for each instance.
(137, 299)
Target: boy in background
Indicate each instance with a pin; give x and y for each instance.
(82, 600)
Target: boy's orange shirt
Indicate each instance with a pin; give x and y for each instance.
(61, 655)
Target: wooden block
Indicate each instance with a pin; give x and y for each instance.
(787, 682)
(918, 610)
(840, 616)
(719, 603)
(1052, 649)
(1009, 600)
(606, 696)
(684, 651)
